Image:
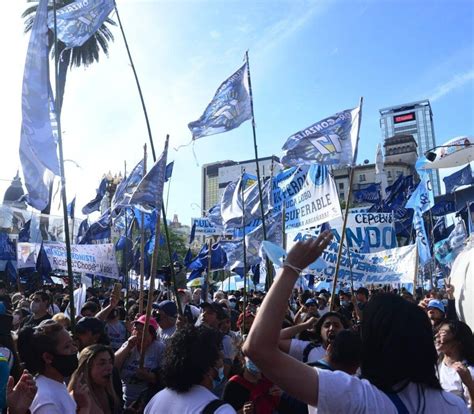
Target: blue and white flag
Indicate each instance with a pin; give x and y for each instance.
(422, 240)
(99, 230)
(422, 198)
(43, 265)
(149, 219)
(78, 21)
(169, 171)
(446, 250)
(38, 142)
(459, 178)
(149, 193)
(94, 204)
(24, 234)
(330, 141)
(228, 109)
(371, 194)
(126, 188)
(193, 233)
(83, 227)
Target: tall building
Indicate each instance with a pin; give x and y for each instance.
(217, 175)
(415, 118)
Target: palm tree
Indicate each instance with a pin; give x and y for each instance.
(84, 55)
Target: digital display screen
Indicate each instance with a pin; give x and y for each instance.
(404, 118)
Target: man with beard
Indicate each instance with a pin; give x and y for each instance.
(326, 330)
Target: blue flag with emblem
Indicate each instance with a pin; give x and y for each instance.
(38, 141)
(422, 198)
(94, 204)
(421, 238)
(459, 178)
(126, 188)
(71, 207)
(78, 21)
(446, 250)
(169, 171)
(149, 193)
(332, 140)
(369, 194)
(228, 109)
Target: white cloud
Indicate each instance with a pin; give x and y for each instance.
(457, 81)
(214, 34)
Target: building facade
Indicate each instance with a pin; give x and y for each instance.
(217, 175)
(416, 119)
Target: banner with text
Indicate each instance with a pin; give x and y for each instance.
(98, 259)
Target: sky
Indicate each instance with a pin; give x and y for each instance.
(308, 60)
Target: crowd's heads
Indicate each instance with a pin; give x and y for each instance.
(47, 346)
(456, 337)
(397, 344)
(345, 351)
(63, 320)
(139, 325)
(212, 314)
(90, 331)
(90, 309)
(40, 302)
(167, 314)
(362, 294)
(435, 310)
(328, 326)
(191, 357)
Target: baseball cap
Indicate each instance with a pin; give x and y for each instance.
(437, 304)
(152, 322)
(215, 307)
(90, 324)
(232, 297)
(168, 307)
(323, 297)
(310, 302)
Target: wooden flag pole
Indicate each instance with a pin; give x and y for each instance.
(346, 213)
(415, 276)
(244, 247)
(142, 247)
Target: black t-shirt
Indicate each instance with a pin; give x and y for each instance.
(31, 322)
(236, 395)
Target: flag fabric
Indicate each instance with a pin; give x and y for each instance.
(149, 219)
(43, 266)
(11, 272)
(70, 208)
(38, 140)
(332, 140)
(94, 204)
(24, 234)
(214, 215)
(99, 230)
(422, 198)
(78, 21)
(218, 257)
(380, 174)
(188, 258)
(83, 227)
(443, 207)
(422, 240)
(149, 193)
(7, 247)
(274, 233)
(446, 250)
(126, 188)
(169, 171)
(370, 194)
(193, 233)
(459, 178)
(228, 109)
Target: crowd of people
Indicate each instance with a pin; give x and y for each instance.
(377, 349)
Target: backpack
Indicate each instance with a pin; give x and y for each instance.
(397, 402)
(307, 350)
(212, 407)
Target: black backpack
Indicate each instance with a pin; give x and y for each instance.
(213, 406)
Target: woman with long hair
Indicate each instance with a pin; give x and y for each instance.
(48, 351)
(398, 364)
(455, 343)
(96, 363)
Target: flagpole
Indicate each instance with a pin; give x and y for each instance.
(163, 211)
(244, 245)
(142, 246)
(72, 310)
(269, 279)
(346, 213)
(415, 276)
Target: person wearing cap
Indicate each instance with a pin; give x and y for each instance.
(136, 381)
(436, 313)
(323, 307)
(167, 315)
(90, 331)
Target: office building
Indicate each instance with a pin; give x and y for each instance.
(416, 119)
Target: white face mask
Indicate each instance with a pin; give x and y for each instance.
(35, 307)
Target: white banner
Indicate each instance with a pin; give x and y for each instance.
(98, 259)
(387, 266)
(310, 197)
(375, 228)
(205, 228)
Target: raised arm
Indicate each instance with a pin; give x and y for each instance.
(261, 346)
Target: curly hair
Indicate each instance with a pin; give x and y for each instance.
(462, 334)
(319, 324)
(189, 354)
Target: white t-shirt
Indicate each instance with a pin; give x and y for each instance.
(52, 397)
(297, 348)
(133, 386)
(451, 382)
(117, 333)
(190, 402)
(167, 333)
(361, 397)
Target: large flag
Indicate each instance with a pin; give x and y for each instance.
(380, 174)
(78, 21)
(99, 230)
(422, 198)
(126, 188)
(169, 171)
(330, 141)
(446, 250)
(149, 193)
(443, 207)
(421, 238)
(459, 178)
(38, 142)
(228, 109)
(370, 194)
(94, 204)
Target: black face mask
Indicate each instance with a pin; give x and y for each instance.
(65, 364)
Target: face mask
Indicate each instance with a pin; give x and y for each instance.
(232, 305)
(344, 303)
(252, 367)
(35, 307)
(65, 364)
(220, 376)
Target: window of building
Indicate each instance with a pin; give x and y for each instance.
(389, 174)
(362, 178)
(341, 186)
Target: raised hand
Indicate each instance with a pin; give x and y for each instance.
(20, 396)
(306, 252)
